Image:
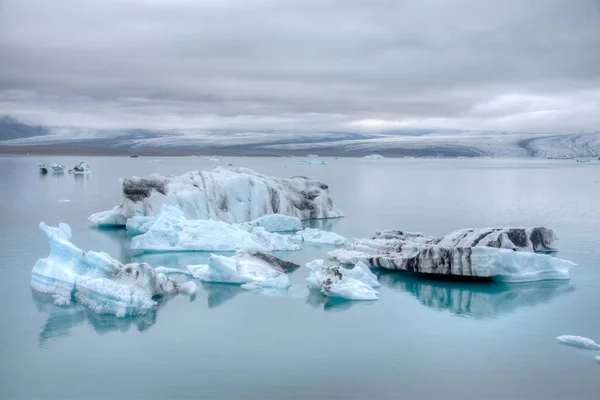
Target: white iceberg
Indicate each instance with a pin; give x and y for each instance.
(503, 254)
(96, 280)
(374, 157)
(336, 281)
(57, 168)
(171, 231)
(251, 270)
(81, 168)
(578, 341)
(312, 162)
(312, 235)
(230, 195)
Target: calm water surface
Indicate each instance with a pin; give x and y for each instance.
(422, 339)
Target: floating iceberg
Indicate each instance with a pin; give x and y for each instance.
(57, 168)
(96, 280)
(335, 281)
(312, 162)
(276, 223)
(311, 235)
(578, 341)
(81, 168)
(171, 231)
(504, 254)
(251, 270)
(43, 169)
(373, 157)
(233, 196)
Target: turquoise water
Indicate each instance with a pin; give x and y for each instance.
(422, 339)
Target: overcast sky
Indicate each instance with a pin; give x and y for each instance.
(316, 65)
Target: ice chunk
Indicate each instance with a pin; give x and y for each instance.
(43, 169)
(362, 272)
(256, 269)
(57, 168)
(279, 283)
(312, 162)
(230, 195)
(578, 341)
(172, 232)
(98, 281)
(214, 158)
(81, 168)
(312, 235)
(139, 225)
(336, 281)
(277, 223)
(503, 254)
(374, 157)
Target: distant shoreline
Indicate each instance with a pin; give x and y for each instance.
(179, 152)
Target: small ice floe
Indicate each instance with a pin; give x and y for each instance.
(57, 168)
(96, 280)
(250, 270)
(336, 281)
(311, 235)
(578, 341)
(171, 231)
(64, 200)
(214, 158)
(81, 168)
(155, 161)
(374, 157)
(43, 169)
(312, 162)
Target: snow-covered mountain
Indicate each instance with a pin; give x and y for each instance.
(447, 143)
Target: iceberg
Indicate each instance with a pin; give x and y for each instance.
(271, 223)
(503, 254)
(312, 235)
(171, 231)
(276, 223)
(96, 280)
(250, 270)
(81, 168)
(57, 168)
(578, 341)
(374, 157)
(336, 281)
(43, 169)
(222, 194)
(312, 162)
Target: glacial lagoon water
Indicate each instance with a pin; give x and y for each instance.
(422, 339)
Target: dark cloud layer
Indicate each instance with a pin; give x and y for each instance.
(303, 65)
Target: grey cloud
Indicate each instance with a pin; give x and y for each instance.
(304, 65)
